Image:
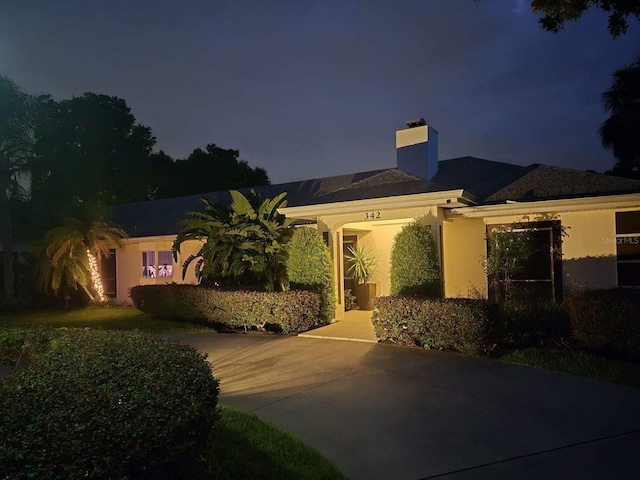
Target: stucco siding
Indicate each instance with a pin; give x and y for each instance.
(464, 249)
(129, 264)
(589, 250)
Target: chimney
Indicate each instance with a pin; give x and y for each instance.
(417, 149)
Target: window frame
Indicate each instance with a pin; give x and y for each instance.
(555, 254)
(626, 237)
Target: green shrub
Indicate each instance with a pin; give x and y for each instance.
(464, 325)
(414, 262)
(350, 301)
(309, 267)
(607, 320)
(22, 344)
(293, 311)
(531, 323)
(109, 405)
(183, 302)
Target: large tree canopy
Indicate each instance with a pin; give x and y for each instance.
(557, 12)
(621, 131)
(16, 142)
(91, 148)
(211, 170)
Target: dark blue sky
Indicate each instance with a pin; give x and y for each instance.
(315, 88)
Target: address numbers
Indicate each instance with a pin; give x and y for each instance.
(372, 216)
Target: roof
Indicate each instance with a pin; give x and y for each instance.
(544, 182)
(488, 181)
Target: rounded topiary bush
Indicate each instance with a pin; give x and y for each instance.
(109, 405)
(310, 267)
(415, 269)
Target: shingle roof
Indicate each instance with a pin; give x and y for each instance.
(476, 175)
(490, 182)
(544, 182)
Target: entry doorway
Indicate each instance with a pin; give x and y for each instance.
(348, 241)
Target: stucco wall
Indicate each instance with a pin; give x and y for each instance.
(129, 264)
(589, 250)
(464, 249)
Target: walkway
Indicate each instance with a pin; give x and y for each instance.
(355, 327)
(385, 412)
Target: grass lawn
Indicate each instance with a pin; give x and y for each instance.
(110, 318)
(578, 363)
(247, 447)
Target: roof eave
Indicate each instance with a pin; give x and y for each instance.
(448, 199)
(607, 202)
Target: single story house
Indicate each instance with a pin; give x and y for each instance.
(585, 226)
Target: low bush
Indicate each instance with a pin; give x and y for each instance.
(607, 320)
(522, 324)
(111, 405)
(184, 302)
(292, 311)
(350, 301)
(464, 325)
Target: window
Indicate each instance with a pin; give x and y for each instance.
(628, 248)
(151, 269)
(149, 264)
(539, 274)
(165, 264)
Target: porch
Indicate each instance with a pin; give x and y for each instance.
(355, 326)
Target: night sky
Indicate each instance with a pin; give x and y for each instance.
(308, 89)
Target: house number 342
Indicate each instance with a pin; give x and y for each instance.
(372, 215)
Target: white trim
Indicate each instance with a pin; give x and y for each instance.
(556, 206)
(450, 198)
(154, 238)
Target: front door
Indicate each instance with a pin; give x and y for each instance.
(348, 241)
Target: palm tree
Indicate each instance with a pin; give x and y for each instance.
(243, 244)
(619, 132)
(72, 252)
(16, 142)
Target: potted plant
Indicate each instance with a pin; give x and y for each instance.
(363, 266)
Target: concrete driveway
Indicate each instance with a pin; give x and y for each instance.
(386, 412)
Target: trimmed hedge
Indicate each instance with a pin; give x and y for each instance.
(461, 324)
(106, 404)
(293, 311)
(309, 267)
(607, 320)
(415, 269)
(522, 324)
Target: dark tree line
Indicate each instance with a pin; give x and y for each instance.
(89, 150)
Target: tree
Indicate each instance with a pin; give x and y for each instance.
(218, 169)
(16, 142)
(557, 12)
(90, 148)
(621, 131)
(242, 245)
(70, 257)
